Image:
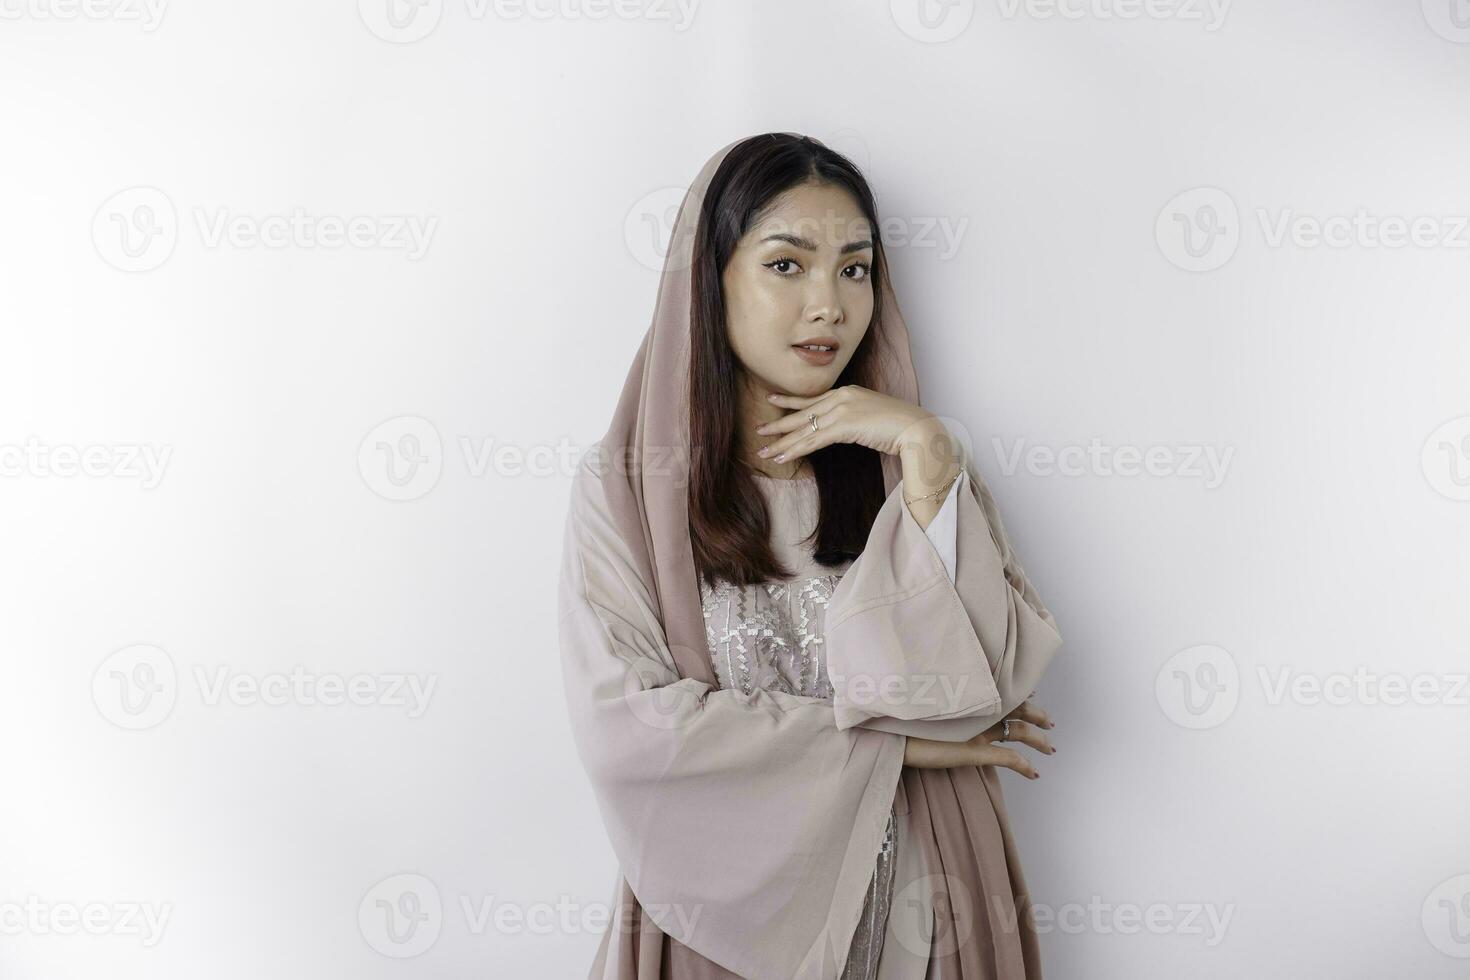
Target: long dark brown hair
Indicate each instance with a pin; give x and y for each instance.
(729, 526)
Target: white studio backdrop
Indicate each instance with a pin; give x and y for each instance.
(308, 310)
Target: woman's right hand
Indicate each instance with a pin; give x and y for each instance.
(924, 753)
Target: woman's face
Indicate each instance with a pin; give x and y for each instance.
(801, 275)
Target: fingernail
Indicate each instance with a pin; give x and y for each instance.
(780, 457)
(764, 451)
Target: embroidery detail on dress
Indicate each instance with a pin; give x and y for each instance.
(769, 636)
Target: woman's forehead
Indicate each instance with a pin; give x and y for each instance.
(813, 218)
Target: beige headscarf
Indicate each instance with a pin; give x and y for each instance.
(746, 826)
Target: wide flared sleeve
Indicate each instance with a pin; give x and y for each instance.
(912, 650)
(747, 825)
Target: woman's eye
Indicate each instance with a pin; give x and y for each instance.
(860, 265)
(781, 262)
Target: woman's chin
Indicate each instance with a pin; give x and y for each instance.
(810, 381)
(806, 381)
(807, 388)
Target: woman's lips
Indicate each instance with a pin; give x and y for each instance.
(815, 356)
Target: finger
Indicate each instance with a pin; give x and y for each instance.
(803, 441)
(797, 445)
(1029, 735)
(1030, 712)
(1007, 759)
(790, 423)
(797, 421)
(800, 406)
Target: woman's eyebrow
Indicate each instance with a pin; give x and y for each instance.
(811, 246)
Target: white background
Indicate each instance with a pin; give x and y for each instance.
(1061, 306)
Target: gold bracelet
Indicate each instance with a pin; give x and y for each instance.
(936, 493)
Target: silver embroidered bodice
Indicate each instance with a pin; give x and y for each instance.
(770, 636)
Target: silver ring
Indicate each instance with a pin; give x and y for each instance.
(812, 418)
(1005, 730)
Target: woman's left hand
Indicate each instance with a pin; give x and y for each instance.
(850, 413)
